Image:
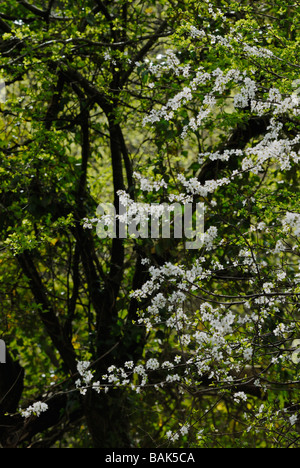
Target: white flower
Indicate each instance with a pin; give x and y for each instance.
(281, 276)
(140, 370)
(292, 221)
(196, 33)
(279, 247)
(87, 377)
(248, 352)
(174, 437)
(177, 359)
(293, 419)
(167, 365)
(97, 386)
(82, 366)
(240, 396)
(152, 364)
(129, 364)
(267, 287)
(185, 429)
(280, 329)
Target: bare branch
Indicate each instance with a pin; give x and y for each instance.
(37, 11)
(4, 27)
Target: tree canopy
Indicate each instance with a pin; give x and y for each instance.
(139, 341)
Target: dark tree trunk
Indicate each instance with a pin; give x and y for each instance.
(11, 388)
(108, 419)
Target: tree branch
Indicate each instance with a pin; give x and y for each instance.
(4, 27)
(47, 314)
(73, 300)
(53, 108)
(73, 76)
(241, 135)
(127, 163)
(45, 14)
(33, 9)
(18, 432)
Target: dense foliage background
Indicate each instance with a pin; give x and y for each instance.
(142, 342)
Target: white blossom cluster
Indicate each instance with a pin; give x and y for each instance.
(174, 436)
(254, 51)
(86, 380)
(167, 63)
(276, 102)
(194, 187)
(291, 222)
(272, 146)
(196, 33)
(247, 94)
(228, 41)
(213, 355)
(88, 223)
(217, 79)
(140, 212)
(240, 396)
(36, 409)
(282, 151)
(257, 421)
(210, 335)
(217, 335)
(147, 185)
(208, 341)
